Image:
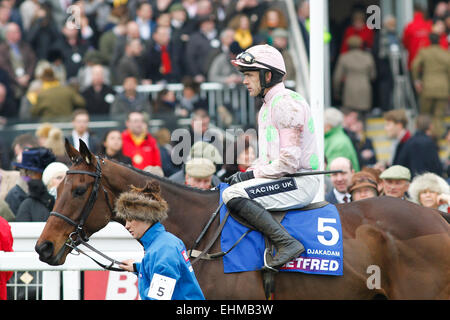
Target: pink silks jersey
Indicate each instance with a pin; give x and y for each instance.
(286, 137)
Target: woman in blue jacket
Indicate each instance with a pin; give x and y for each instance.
(165, 272)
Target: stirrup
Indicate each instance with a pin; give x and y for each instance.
(266, 267)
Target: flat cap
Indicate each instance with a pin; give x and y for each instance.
(200, 168)
(202, 149)
(396, 172)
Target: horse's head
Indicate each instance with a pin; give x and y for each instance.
(82, 207)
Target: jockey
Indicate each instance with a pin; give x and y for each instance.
(287, 145)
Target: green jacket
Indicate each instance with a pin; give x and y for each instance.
(338, 144)
(432, 67)
(58, 102)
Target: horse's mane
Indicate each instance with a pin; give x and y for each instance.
(161, 179)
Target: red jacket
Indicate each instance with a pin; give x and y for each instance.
(365, 34)
(142, 155)
(416, 35)
(6, 244)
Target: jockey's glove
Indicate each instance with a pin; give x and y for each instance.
(239, 177)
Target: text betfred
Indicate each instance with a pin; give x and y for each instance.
(311, 264)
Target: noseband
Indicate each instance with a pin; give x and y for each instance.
(79, 233)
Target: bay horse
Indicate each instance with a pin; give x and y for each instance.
(409, 244)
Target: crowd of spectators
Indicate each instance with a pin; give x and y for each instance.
(367, 61)
(58, 56)
(413, 165)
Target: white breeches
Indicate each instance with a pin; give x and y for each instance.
(276, 194)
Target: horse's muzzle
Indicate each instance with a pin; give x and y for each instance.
(45, 251)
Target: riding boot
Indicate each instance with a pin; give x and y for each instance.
(287, 247)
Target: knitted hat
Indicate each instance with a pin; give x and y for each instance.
(144, 204)
(51, 170)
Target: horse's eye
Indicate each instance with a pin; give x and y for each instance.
(79, 191)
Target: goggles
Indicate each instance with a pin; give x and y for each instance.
(247, 58)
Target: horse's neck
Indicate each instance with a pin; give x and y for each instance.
(188, 209)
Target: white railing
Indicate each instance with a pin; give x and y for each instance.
(216, 94)
(113, 240)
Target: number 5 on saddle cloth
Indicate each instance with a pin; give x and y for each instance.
(319, 230)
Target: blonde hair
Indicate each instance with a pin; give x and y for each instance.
(43, 130)
(55, 141)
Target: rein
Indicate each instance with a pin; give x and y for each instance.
(79, 233)
(204, 255)
(79, 236)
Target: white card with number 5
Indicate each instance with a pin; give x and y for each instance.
(161, 287)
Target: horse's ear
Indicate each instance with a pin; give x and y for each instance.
(71, 151)
(86, 155)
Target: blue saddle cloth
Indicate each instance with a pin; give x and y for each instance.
(318, 229)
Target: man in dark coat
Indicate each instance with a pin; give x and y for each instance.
(17, 58)
(199, 45)
(159, 57)
(396, 123)
(421, 154)
(341, 181)
(130, 64)
(80, 123)
(179, 36)
(73, 49)
(98, 96)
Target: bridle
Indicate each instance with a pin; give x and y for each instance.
(79, 233)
